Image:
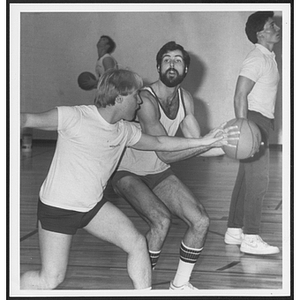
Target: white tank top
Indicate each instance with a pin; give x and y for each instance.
(99, 69)
(147, 162)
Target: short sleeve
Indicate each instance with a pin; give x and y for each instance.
(252, 68)
(134, 134)
(69, 118)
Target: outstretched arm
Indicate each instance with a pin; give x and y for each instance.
(45, 121)
(166, 143)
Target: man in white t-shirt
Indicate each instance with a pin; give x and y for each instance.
(91, 139)
(255, 97)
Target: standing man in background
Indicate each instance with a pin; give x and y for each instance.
(105, 46)
(255, 98)
(145, 179)
(106, 61)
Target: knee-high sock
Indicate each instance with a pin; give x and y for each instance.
(188, 259)
(154, 256)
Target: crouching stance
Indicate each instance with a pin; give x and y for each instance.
(91, 139)
(145, 179)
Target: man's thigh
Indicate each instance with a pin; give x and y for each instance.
(179, 198)
(141, 197)
(54, 249)
(112, 225)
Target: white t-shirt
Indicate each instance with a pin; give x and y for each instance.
(147, 162)
(87, 152)
(260, 66)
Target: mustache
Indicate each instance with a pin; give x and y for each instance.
(172, 69)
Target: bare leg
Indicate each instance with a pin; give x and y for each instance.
(54, 249)
(149, 207)
(112, 225)
(181, 202)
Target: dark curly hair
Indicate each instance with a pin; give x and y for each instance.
(171, 46)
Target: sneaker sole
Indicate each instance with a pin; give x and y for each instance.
(253, 252)
(232, 241)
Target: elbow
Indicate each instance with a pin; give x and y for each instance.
(163, 156)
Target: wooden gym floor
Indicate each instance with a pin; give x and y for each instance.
(97, 265)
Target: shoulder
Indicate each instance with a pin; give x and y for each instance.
(149, 109)
(186, 95)
(76, 111)
(254, 56)
(187, 99)
(148, 98)
(133, 130)
(107, 56)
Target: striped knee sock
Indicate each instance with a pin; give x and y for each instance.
(188, 259)
(154, 256)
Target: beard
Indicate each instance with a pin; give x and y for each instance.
(171, 81)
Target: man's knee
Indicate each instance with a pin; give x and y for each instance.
(123, 184)
(162, 221)
(41, 280)
(201, 223)
(139, 243)
(53, 279)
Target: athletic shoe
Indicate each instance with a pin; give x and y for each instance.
(234, 236)
(254, 244)
(187, 286)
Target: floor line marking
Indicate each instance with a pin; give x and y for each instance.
(28, 235)
(232, 264)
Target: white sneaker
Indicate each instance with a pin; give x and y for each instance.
(187, 286)
(254, 244)
(234, 236)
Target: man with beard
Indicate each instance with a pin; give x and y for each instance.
(145, 179)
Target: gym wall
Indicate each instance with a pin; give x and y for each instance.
(57, 46)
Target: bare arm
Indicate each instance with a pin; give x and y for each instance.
(166, 143)
(45, 121)
(243, 88)
(108, 63)
(149, 120)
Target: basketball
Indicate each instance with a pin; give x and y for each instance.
(87, 81)
(249, 141)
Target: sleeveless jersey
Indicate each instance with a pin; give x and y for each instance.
(99, 69)
(147, 162)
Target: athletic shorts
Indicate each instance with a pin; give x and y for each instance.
(151, 180)
(64, 220)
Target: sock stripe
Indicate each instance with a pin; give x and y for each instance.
(154, 256)
(189, 255)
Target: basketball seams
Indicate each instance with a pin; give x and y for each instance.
(249, 139)
(237, 144)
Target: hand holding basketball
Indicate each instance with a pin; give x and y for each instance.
(249, 140)
(224, 136)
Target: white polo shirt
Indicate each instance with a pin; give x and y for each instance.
(260, 66)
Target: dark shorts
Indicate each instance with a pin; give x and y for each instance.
(63, 220)
(151, 180)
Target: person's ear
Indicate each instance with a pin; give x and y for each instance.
(259, 35)
(119, 99)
